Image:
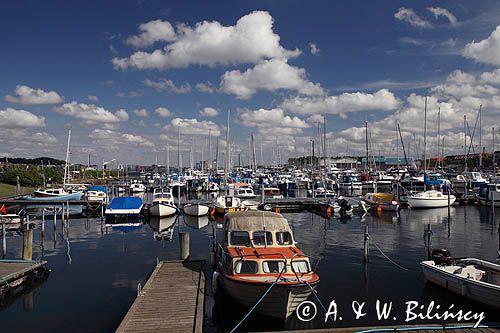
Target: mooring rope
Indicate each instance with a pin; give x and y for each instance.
(392, 261)
(258, 302)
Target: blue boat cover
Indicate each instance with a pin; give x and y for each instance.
(127, 228)
(98, 188)
(125, 203)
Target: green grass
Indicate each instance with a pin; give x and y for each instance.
(7, 190)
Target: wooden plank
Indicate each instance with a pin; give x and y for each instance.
(173, 298)
(11, 270)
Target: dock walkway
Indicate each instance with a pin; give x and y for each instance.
(14, 272)
(172, 299)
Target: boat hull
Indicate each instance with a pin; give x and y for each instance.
(161, 209)
(478, 291)
(66, 197)
(415, 202)
(280, 302)
(196, 210)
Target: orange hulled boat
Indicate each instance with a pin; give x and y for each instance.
(258, 255)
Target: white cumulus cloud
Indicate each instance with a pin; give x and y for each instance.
(250, 40)
(209, 112)
(30, 96)
(141, 112)
(163, 112)
(112, 138)
(90, 113)
(486, 51)
(314, 49)
(152, 32)
(341, 104)
(192, 127)
(12, 118)
(270, 75)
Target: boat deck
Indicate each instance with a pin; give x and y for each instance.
(172, 299)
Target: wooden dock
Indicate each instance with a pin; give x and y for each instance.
(172, 299)
(424, 328)
(14, 273)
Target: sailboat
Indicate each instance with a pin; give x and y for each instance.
(58, 193)
(432, 198)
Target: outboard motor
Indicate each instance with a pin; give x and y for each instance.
(441, 256)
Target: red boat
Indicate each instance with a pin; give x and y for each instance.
(259, 251)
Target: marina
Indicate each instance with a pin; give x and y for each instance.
(264, 166)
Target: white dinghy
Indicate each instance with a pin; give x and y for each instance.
(472, 278)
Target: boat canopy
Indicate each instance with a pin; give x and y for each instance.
(256, 220)
(98, 188)
(383, 197)
(126, 203)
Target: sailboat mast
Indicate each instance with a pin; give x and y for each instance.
(439, 137)
(179, 150)
(254, 159)
(366, 145)
(210, 160)
(66, 166)
(493, 157)
(226, 169)
(465, 143)
(425, 133)
(480, 143)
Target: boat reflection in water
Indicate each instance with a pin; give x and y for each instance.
(429, 216)
(196, 222)
(163, 228)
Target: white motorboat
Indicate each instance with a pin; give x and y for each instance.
(137, 188)
(244, 193)
(489, 194)
(97, 194)
(430, 199)
(196, 209)
(472, 278)
(13, 221)
(163, 203)
(228, 203)
(54, 194)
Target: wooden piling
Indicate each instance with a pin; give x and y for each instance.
(43, 223)
(184, 243)
(366, 244)
(4, 240)
(28, 244)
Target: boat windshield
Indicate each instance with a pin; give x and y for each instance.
(284, 238)
(262, 238)
(246, 267)
(300, 266)
(273, 266)
(240, 238)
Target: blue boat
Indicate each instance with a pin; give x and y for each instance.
(59, 198)
(124, 208)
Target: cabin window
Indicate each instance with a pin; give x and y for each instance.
(274, 266)
(284, 238)
(262, 238)
(245, 267)
(300, 266)
(239, 238)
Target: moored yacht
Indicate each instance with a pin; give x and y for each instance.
(163, 203)
(430, 199)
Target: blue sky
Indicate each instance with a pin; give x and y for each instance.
(126, 75)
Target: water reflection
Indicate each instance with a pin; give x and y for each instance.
(196, 222)
(109, 260)
(163, 228)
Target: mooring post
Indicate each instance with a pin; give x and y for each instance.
(449, 204)
(28, 244)
(43, 223)
(429, 233)
(184, 242)
(366, 238)
(4, 240)
(102, 210)
(67, 210)
(55, 220)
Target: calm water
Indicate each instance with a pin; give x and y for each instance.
(96, 269)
